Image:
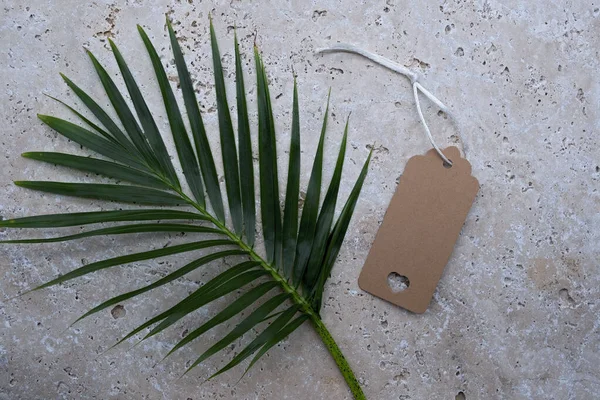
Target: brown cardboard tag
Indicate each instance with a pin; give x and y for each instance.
(420, 228)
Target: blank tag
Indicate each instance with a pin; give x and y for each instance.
(419, 230)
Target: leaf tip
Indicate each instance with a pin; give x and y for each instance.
(18, 295)
(77, 320)
(113, 46)
(187, 371)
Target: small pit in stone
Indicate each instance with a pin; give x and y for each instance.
(397, 282)
(460, 396)
(118, 311)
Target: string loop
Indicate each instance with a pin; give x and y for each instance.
(414, 79)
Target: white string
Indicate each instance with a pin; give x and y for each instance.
(413, 76)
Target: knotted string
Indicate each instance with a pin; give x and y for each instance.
(413, 76)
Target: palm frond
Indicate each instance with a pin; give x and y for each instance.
(207, 293)
(310, 212)
(262, 338)
(145, 255)
(94, 142)
(136, 135)
(278, 337)
(336, 237)
(116, 134)
(237, 306)
(247, 323)
(101, 167)
(228, 147)
(175, 275)
(282, 285)
(102, 191)
(205, 158)
(325, 219)
(267, 158)
(98, 217)
(150, 129)
(290, 216)
(123, 230)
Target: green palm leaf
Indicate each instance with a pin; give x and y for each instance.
(191, 170)
(281, 284)
(278, 337)
(196, 301)
(146, 255)
(126, 194)
(336, 238)
(94, 142)
(233, 309)
(89, 123)
(101, 167)
(325, 219)
(310, 212)
(96, 217)
(267, 155)
(123, 230)
(245, 150)
(145, 116)
(125, 115)
(174, 275)
(248, 323)
(261, 339)
(205, 158)
(228, 148)
(290, 216)
(101, 115)
(204, 295)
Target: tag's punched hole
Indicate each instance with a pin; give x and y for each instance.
(447, 165)
(397, 282)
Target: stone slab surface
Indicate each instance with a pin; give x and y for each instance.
(516, 314)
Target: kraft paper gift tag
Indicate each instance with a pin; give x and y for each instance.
(426, 213)
(420, 228)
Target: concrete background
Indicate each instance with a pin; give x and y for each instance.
(515, 315)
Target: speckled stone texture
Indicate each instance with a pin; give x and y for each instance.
(515, 315)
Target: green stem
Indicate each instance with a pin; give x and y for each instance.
(306, 308)
(339, 359)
